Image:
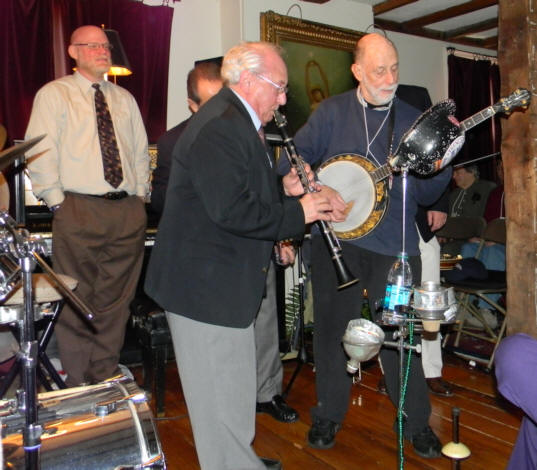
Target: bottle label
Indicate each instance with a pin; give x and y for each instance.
(395, 295)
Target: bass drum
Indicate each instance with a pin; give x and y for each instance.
(99, 427)
(363, 187)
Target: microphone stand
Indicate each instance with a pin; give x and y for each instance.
(298, 337)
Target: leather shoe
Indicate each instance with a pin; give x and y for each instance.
(426, 444)
(439, 386)
(278, 409)
(272, 464)
(322, 433)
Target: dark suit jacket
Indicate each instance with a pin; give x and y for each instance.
(418, 97)
(222, 215)
(165, 144)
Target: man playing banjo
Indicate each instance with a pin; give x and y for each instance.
(367, 122)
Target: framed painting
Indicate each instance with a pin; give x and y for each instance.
(318, 59)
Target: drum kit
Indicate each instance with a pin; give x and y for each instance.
(103, 426)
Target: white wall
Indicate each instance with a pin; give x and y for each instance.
(208, 28)
(196, 34)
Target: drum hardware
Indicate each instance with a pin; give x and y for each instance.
(103, 426)
(455, 449)
(429, 145)
(344, 276)
(298, 341)
(21, 246)
(363, 339)
(42, 357)
(10, 154)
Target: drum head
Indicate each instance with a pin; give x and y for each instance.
(351, 176)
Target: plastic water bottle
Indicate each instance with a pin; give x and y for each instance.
(398, 290)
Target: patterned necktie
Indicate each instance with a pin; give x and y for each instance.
(261, 132)
(109, 151)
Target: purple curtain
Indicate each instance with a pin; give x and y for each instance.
(145, 34)
(26, 35)
(475, 85)
(25, 63)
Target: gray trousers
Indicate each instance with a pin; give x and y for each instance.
(218, 375)
(269, 364)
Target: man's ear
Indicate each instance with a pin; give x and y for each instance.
(193, 106)
(357, 72)
(73, 52)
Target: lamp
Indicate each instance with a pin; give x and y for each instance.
(120, 63)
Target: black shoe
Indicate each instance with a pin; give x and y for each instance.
(272, 464)
(278, 409)
(426, 444)
(322, 433)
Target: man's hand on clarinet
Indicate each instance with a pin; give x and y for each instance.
(292, 184)
(326, 204)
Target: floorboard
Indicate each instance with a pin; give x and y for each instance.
(488, 425)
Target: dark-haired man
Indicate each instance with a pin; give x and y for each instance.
(202, 82)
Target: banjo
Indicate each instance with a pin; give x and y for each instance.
(428, 146)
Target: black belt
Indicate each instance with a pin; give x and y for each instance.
(114, 195)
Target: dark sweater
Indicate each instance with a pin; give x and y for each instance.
(336, 127)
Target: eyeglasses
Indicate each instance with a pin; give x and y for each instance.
(95, 45)
(279, 88)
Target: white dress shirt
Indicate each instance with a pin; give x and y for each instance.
(69, 157)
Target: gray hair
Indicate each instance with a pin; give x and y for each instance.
(472, 169)
(245, 56)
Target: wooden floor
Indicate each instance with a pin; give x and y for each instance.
(488, 425)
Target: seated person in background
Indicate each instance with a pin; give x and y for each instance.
(492, 254)
(516, 368)
(470, 196)
(468, 199)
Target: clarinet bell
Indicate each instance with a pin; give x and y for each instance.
(344, 277)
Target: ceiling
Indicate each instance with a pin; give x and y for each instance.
(467, 22)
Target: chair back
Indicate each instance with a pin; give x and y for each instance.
(495, 231)
(462, 228)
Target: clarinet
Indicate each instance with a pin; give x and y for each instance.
(344, 276)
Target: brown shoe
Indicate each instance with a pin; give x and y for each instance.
(439, 386)
(381, 386)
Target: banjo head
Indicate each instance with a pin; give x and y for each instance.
(350, 175)
(432, 141)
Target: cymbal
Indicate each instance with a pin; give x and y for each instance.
(8, 155)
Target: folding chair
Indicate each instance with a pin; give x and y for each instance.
(495, 283)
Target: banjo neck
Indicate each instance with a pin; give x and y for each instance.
(477, 118)
(380, 173)
(386, 170)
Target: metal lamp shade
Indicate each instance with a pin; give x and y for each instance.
(120, 63)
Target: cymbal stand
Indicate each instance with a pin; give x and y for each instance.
(26, 249)
(21, 246)
(298, 338)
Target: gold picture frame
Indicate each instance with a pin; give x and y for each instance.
(318, 59)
